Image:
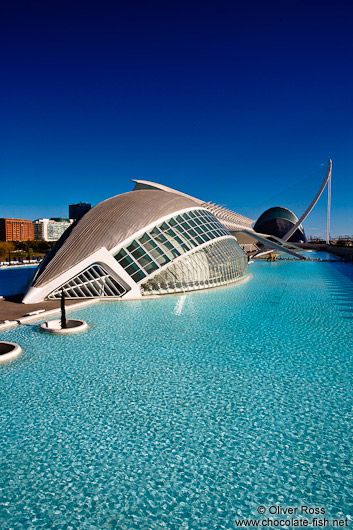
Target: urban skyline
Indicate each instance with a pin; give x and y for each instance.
(68, 220)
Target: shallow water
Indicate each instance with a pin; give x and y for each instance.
(185, 412)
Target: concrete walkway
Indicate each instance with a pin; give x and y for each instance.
(346, 253)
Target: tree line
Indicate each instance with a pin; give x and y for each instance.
(24, 248)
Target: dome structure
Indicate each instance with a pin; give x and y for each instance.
(277, 221)
(140, 243)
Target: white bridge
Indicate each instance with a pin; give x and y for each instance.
(249, 238)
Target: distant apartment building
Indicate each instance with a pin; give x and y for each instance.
(16, 229)
(76, 211)
(50, 229)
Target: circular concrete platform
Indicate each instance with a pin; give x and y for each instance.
(8, 350)
(73, 326)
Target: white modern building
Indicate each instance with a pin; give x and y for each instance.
(147, 242)
(50, 229)
(153, 241)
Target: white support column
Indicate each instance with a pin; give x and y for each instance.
(328, 211)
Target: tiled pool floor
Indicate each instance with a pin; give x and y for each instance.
(185, 412)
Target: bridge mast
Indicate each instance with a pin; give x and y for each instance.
(328, 211)
(312, 204)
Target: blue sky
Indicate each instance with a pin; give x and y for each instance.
(241, 104)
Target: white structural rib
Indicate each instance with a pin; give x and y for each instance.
(271, 245)
(231, 220)
(312, 204)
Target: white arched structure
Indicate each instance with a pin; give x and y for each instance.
(145, 242)
(312, 204)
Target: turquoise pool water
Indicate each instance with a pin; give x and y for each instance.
(313, 254)
(13, 280)
(186, 412)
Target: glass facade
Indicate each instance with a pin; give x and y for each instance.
(50, 229)
(219, 263)
(93, 282)
(169, 240)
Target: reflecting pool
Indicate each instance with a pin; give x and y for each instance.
(13, 280)
(185, 412)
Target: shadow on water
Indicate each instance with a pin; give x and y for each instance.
(339, 281)
(343, 268)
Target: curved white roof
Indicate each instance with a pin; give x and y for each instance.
(108, 224)
(231, 220)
